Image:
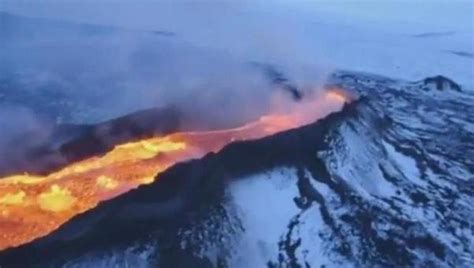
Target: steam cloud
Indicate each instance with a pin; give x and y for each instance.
(197, 57)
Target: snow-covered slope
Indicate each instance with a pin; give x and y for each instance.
(398, 192)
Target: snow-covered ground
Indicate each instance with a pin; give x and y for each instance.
(270, 192)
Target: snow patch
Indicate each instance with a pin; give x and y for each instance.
(406, 164)
(265, 207)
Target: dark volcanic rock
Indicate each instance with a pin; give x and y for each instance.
(441, 83)
(278, 79)
(68, 143)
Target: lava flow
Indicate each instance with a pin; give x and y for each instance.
(33, 206)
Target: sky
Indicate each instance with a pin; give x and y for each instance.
(114, 11)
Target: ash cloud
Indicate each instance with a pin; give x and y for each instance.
(86, 62)
(116, 64)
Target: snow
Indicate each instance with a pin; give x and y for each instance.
(397, 55)
(313, 248)
(360, 169)
(265, 207)
(134, 256)
(406, 164)
(397, 38)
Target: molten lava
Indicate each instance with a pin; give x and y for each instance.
(32, 206)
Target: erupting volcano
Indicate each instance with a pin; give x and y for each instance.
(236, 134)
(31, 206)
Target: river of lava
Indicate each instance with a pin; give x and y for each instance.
(33, 206)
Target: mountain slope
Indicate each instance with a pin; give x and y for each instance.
(386, 182)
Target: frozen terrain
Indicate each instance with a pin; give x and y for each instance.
(403, 39)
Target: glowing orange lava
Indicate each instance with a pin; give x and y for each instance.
(32, 206)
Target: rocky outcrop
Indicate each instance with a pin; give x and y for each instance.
(440, 82)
